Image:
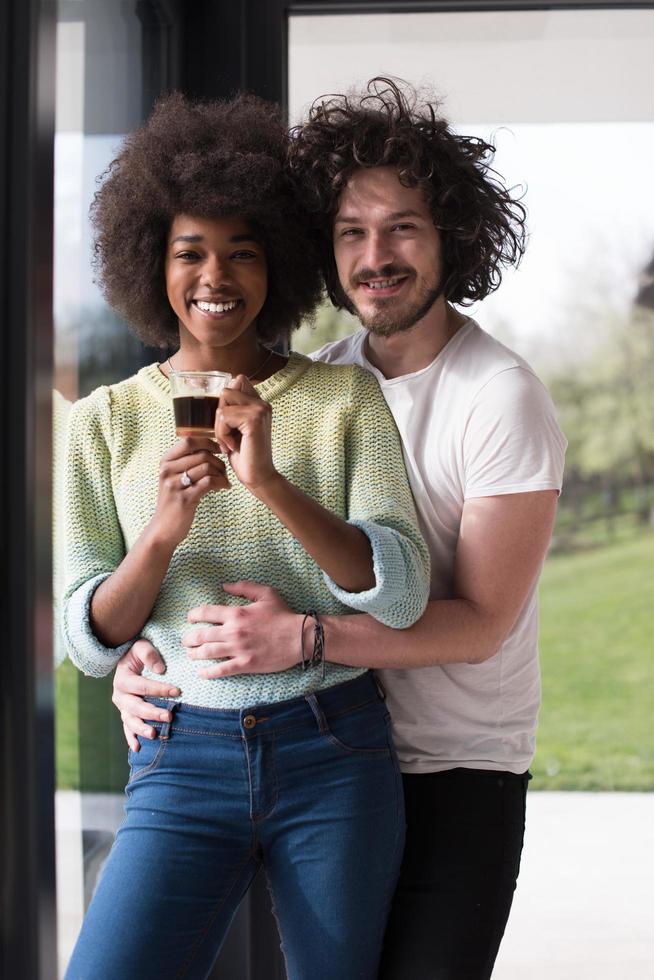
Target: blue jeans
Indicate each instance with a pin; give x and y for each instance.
(308, 787)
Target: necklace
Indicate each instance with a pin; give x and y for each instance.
(248, 376)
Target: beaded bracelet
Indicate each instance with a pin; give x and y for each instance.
(317, 656)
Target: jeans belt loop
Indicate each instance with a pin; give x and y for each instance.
(164, 733)
(381, 690)
(315, 706)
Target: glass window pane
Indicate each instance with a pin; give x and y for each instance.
(567, 98)
(99, 98)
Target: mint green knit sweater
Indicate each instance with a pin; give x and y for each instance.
(332, 436)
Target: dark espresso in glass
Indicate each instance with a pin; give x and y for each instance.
(195, 415)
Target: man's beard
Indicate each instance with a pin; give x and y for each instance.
(392, 315)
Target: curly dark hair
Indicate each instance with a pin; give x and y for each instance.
(482, 226)
(208, 159)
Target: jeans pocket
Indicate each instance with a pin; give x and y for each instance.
(147, 758)
(362, 731)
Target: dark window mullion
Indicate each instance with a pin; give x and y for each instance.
(28, 947)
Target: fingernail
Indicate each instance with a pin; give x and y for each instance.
(174, 691)
(164, 716)
(159, 668)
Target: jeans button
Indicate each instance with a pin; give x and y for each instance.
(249, 721)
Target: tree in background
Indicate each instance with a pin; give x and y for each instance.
(606, 407)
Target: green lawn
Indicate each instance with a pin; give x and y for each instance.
(91, 752)
(597, 654)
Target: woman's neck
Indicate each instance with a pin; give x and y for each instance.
(256, 363)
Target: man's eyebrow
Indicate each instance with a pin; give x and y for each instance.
(410, 213)
(353, 219)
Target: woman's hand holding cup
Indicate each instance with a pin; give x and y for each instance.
(187, 473)
(243, 432)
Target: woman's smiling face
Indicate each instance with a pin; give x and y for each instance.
(216, 279)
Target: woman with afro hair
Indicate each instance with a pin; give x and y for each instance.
(201, 245)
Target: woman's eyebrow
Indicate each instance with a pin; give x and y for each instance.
(246, 237)
(187, 238)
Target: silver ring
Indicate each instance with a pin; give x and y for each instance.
(185, 480)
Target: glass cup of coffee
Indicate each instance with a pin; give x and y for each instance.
(195, 400)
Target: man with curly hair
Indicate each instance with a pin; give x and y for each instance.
(412, 221)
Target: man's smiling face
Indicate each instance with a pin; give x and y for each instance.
(387, 251)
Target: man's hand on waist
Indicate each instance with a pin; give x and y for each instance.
(260, 638)
(130, 689)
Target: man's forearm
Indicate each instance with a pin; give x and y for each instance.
(502, 543)
(451, 631)
(501, 547)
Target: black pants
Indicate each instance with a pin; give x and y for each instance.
(465, 829)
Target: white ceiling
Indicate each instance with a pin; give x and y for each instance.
(525, 66)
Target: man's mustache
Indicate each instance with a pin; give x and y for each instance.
(385, 272)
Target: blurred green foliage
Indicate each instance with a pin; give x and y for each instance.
(606, 405)
(329, 324)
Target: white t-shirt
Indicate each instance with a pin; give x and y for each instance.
(476, 422)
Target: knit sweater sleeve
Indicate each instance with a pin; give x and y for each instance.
(94, 545)
(380, 503)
